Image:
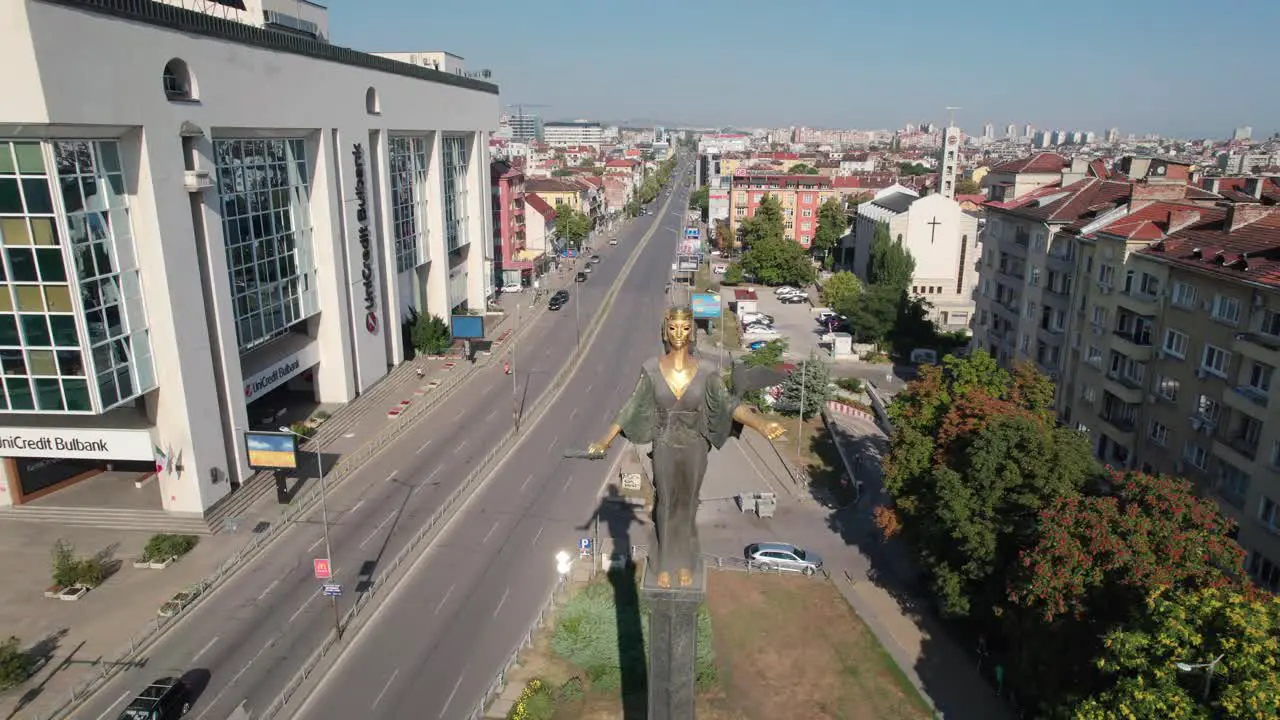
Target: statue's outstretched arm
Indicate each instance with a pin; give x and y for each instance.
(602, 446)
(749, 418)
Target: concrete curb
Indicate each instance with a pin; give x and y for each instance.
(241, 559)
(355, 619)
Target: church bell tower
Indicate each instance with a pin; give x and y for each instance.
(948, 160)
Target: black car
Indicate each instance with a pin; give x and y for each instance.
(560, 296)
(581, 277)
(165, 699)
(793, 299)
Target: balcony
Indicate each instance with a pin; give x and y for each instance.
(1120, 427)
(1137, 347)
(1021, 238)
(1061, 262)
(1236, 452)
(1248, 400)
(1258, 346)
(1125, 389)
(1012, 272)
(1140, 303)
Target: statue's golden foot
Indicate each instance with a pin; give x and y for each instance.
(686, 577)
(664, 579)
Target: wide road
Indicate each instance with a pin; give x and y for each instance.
(254, 633)
(436, 645)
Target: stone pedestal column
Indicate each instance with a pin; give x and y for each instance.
(673, 645)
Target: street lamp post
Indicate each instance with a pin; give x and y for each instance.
(804, 381)
(564, 563)
(324, 521)
(1208, 668)
(515, 397)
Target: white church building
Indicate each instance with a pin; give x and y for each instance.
(942, 238)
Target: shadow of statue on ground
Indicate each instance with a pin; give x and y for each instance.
(618, 516)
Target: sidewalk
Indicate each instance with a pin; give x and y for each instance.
(81, 640)
(872, 576)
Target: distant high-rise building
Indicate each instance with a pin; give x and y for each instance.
(1090, 137)
(1028, 130)
(525, 126)
(1011, 132)
(1242, 133)
(1113, 135)
(988, 132)
(926, 127)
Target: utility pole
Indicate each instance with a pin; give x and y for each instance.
(324, 520)
(804, 382)
(515, 395)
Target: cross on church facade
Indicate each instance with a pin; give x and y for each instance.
(933, 229)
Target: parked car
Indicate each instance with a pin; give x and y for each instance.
(512, 288)
(827, 316)
(783, 556)
(756, 345)
(762, 331)
(594, 259)
(613, 241)
(165, 699)
(782, 289)
(750, 317)
(558, 300)
(580, 277)
(794, 299)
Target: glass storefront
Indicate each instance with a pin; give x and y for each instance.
(266, 221)
(42, 353)
(409, 164)
(455, 191)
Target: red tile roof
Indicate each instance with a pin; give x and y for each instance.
(1044, 162)
(541, 206)
(1249, 253)
(979, 198)
(621, 163)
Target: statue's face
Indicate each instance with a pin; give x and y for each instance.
(679, 329)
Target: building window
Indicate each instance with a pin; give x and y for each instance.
(1215, 360)
(1207, 409)
(806, 212)
(1226, 309)
(1167, 388)
(1260, 377)
(1270, 323)
(1184, 295)
(1233, 485)
(1195, 455)
(1106, 274)
(455, 191)
(409, 166)
(1088, 394)
(1150, 285)
(1159, 433)
(1264, 572)
(265, 192)
(1175, 343)
(1093, 356)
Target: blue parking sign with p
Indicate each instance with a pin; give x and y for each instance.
(584, 544)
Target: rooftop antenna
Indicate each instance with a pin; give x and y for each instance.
(951, 114)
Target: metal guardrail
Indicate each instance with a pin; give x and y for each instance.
(499, 683)
(126, 657)
(388, 579)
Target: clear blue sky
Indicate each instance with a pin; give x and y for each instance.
(1173, 66)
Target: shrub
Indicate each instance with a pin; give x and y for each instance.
(571, 690)
(850, 384)
(90, 572)
(15, 665)
(64, 563)
(431, 335)
(164, 546)
(303, 429)
(536, 702)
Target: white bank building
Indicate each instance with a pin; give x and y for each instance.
(202, 206)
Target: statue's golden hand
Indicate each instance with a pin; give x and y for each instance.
(597, 450)
(772, 430)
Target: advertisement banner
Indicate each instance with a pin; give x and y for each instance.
(83, 443)
(271, 450)
(706, 305)
(280, 372)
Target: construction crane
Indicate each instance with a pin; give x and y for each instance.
(519, 107)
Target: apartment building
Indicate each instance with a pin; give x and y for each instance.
(799, 195)
(565, 134)
(1179, 359)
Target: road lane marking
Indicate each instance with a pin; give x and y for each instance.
(204, 649)
(460, 446)
(573, 413)
(433, 474)
(589, 385)
(526, 482)
(444, 599)
(553, 442)
(234, 678)
(358, 504)
(535, 537)
(269, 588)
(304, 605)
(501, 602)
(384, 689)
(424, 446)
(449, 702)
(488, 534)
(491, 412)
(378, 529)
(119, 700)
(566, 483)
(391, 477)
(314, 544)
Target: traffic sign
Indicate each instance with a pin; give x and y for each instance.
(321, 565)
(584, 544)
(331, 590)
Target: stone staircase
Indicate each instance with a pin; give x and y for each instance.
(110, 518)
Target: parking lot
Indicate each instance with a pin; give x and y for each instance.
(795, 323)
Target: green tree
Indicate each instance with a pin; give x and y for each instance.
(871, 314)
(1141, 660)
(841, 289)
(805, 390)
(832, 224)
(976, 453)
(563, 173)
(700, 200)
(911, 169)
(771, 257)
(632, 208)
(572, 226)
(733, 275)
(431, 335)
(965, 186)
(803, 169)
(649, 189)
(767, 355)
(889, 263)
(15, 665)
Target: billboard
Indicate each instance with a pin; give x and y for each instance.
(688, 263)
(706, 305)
(271, 450)
(467, 327)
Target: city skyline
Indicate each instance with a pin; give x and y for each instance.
(660, 61)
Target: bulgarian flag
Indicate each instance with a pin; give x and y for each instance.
(162, 459)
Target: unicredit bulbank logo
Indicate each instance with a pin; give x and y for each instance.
(284, 370)
(53, 443)
(366, 245)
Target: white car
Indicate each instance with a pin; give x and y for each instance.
(753, 317)
(789, 292)
(512, 288)
(613, 241)
(784, 289)
(761, 331)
